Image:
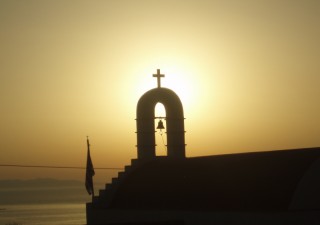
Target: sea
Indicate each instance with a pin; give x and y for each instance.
(43, 214)
(43, 202)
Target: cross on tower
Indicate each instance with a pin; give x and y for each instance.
(158, 76)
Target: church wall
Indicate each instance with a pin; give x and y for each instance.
(307, 194)
(173, 217)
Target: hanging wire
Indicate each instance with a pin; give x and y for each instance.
(58, 167)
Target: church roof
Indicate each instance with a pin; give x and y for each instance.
(256, 181)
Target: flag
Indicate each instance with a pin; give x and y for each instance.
(89, 172)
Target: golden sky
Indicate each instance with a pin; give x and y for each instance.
(247, 72)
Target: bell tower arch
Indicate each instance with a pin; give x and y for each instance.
(174, 120)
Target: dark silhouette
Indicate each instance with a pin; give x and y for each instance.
(174, 118)
(276, 187)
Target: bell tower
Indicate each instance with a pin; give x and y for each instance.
(174, 118)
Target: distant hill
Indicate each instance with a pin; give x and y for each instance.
(42, 191)
(39, 182)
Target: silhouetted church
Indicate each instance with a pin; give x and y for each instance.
(275, 187)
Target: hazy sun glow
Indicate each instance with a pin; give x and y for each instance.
(160, 110)
(248, 81)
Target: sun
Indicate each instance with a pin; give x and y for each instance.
(180, 83)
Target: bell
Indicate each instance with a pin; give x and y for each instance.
(160, 125)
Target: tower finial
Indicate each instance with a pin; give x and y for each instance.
(158, 76)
